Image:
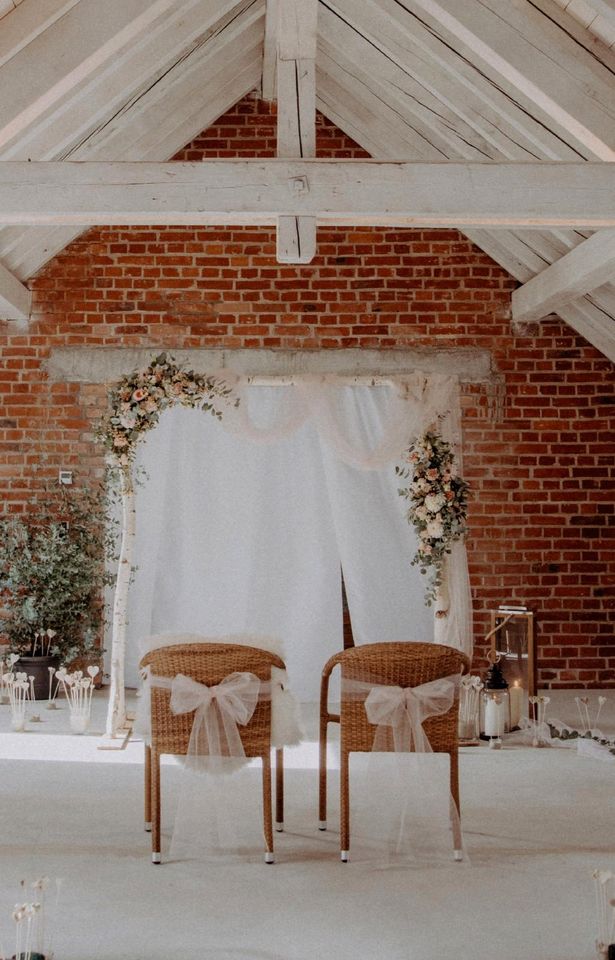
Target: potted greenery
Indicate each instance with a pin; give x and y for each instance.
(52, 577)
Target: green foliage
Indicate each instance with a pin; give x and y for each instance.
(570, 734)
(53, 570)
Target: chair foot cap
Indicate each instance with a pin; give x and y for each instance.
(344, 856)
(458, 855)
(155, 858)
(269, 857)
(279, 827)
(148, 826)
(322, 824)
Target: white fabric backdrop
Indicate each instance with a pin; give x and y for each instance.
(237, 536)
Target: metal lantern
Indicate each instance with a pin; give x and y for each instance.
(512, 641)
(495, 706)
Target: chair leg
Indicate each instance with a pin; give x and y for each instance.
(148, 789)
(267, 812)
(455, 807)
(279, 790)
(344, 807)
(155, 799)
(322, 765)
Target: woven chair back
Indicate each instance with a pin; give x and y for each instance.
(207, 663)
(403, 664)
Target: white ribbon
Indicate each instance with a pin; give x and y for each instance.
(413, 812)
(405, 709)
(218, 711)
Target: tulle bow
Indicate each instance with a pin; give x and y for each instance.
(405, 709)
(218, 712)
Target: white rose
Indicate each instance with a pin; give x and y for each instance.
(434, 502)
(435, 529)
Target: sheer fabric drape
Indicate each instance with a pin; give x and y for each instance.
(242, 525)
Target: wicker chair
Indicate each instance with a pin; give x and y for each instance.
(402, 664)
(209, 664)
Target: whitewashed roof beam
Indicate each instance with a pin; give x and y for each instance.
(15, 298)
(86, 91)
(343, 54)
(270, 52)
(534, 60)
(587, 319)
(580, 271)
(403, 37)
(377, 124)
(27, 21)
(181, 115)
(296, 95)
(335, 191)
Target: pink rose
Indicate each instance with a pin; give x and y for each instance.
(139, 394)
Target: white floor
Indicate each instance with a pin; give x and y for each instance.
(537, 822)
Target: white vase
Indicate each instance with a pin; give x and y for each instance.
(18, 719)
(79, 721)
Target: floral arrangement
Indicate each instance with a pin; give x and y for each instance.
(137, 401)
(438, 505)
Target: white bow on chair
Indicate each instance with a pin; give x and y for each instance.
(405, 708)
(401, 806)
(218, 712)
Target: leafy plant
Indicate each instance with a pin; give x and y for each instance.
(53, 572)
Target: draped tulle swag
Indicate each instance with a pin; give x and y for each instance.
(363, 429)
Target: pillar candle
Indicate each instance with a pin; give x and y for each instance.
(516, 703)
(495, 714)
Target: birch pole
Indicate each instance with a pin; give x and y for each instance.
(116, 714)
(441, 608)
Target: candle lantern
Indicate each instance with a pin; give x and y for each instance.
(495, 712)
(512, 641)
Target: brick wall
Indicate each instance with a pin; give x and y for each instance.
(542, 472)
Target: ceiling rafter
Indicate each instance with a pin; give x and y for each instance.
(528, 55)
(583, 269)
(375, 192)
(15, 298)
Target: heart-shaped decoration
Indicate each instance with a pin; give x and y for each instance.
(93, 671)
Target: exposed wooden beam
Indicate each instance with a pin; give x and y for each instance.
(335, 191)
(164, 129)
(532, 58)
(15, 299)
(585, 317)
(155, 121)
(605, 8)
(588, 266)
(74, 76)
(296, 89)
(405, 38)
(29, 19)
(270, 52)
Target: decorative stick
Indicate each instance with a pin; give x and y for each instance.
(601, 703)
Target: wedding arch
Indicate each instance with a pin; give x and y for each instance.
(417, 403)
(135, 406)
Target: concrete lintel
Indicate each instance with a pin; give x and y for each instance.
(110, 364)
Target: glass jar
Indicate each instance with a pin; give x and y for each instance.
(495, 705)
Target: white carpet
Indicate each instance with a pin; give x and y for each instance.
(536, 824)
